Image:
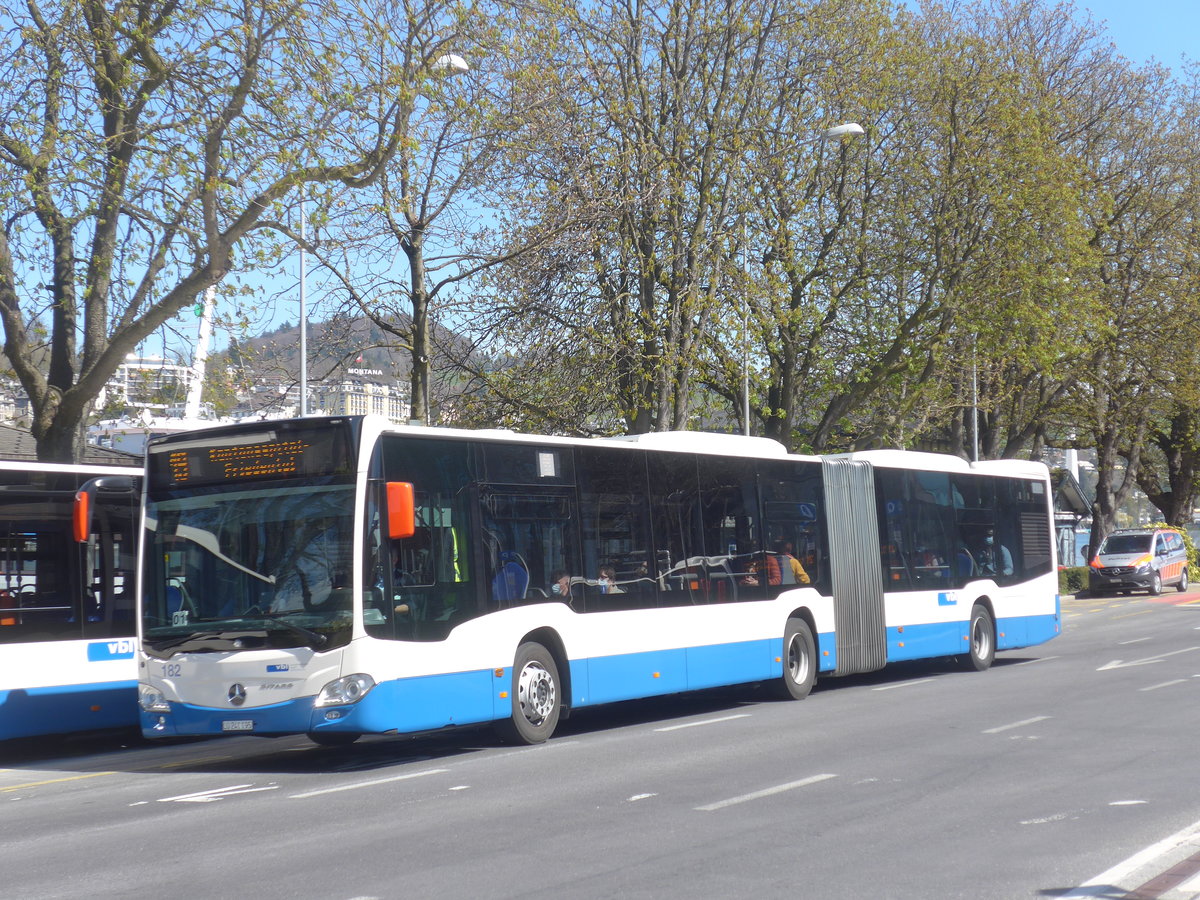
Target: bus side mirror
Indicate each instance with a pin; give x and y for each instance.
(81, 518)
(401, 511)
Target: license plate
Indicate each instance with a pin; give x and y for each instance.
(237, 725)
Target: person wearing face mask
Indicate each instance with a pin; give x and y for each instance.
(993, 558)
(607, 581)
(560, 585)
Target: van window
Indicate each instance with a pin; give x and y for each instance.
(1126, 543)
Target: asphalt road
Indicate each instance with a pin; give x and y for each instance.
(1067, 770)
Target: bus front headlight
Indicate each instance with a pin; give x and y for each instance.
(345, 691)
(152, 699)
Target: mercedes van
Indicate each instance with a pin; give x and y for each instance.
(1139, 559)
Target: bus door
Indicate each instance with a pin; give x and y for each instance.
(108, 555)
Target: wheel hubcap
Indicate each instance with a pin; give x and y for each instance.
(980, 639)
(797, 660)
(535, 692)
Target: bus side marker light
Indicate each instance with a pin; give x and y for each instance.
(504, 695)
(1002, 634)
(901, 644)
(656, 674)
(824, 652)
(499, 673)
(779, 659)
(95, 708)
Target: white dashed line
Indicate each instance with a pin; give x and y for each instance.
(1163, 684)
(363, 784)
(1000, 728)
(888, 687)
(766, 792)
(704, 722)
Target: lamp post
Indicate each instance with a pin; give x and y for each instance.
(303, 316)
(844, 132)
(446, 65)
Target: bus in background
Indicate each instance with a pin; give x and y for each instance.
(341, 576)
(67, 582)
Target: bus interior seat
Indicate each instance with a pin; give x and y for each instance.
(511, 581)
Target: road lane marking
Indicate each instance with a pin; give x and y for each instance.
(363, 784)
(1102, 884)
(765, 792)
(1155, 687)
(1032, 661)
(1134, 641)
(31, 784)
(1045, 820)
(1121, 664)
(704, 722)
(1000, 728)
(888, 687)
(214, 794)
(637, 797)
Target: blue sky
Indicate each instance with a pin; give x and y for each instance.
(1145, 29)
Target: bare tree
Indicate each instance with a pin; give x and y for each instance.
(149, 150)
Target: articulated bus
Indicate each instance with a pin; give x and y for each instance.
(341, 576)
(67, 580)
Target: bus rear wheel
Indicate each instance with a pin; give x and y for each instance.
(983, 639)
(799, 662)
(535, 696)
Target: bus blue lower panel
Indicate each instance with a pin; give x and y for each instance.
(1026, 631)
(421, 704)
(924, 641)
(28, 712)
(408, 704)
(633, 675)
(291, 717)
(952, 638)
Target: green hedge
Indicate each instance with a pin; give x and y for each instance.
(1072, 579)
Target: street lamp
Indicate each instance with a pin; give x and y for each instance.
(447, 65)
(845, 132)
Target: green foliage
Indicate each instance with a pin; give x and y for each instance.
(1072, 579)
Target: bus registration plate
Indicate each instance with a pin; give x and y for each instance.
(237, 725)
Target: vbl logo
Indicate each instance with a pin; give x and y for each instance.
(122, 648)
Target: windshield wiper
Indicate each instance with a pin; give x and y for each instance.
(183, 639)
(315, 639)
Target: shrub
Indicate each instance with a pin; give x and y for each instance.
(1072, 579)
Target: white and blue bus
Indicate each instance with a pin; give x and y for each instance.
(68, 562)
(342, 576)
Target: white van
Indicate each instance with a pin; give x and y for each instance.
(1139, 559)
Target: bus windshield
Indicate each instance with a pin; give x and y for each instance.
(263, 566)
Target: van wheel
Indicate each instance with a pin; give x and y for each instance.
(1183, 580)
(1155, 584)
(799, 662)
(535, 697)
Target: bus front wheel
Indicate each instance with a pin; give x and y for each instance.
(536, 702)
(799, 662)
(982, 637)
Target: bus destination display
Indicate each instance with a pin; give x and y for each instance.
(254, 456)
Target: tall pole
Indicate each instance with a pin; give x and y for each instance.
(303, 318)
(974, 404)
(745, 333)
(191, 409)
